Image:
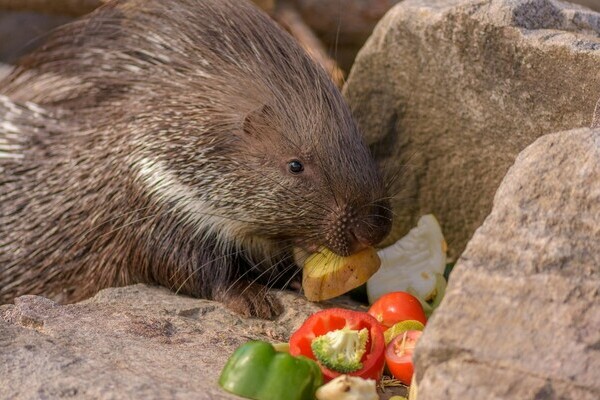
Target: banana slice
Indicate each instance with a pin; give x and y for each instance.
(327, 275)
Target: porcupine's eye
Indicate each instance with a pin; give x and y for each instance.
(295, 167)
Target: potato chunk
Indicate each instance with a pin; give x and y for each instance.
(327, 275)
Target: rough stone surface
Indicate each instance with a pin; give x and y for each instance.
(344, 26)
(448, 92)
(137, 342)
(593, 4)
(596, 119)
(521, 316)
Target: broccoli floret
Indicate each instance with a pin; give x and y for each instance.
(341, 350)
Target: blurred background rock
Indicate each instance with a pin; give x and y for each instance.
(343, 26)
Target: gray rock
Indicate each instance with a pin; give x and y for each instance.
(449, 92)
(593, 4)
(136, 342)
(521, 316)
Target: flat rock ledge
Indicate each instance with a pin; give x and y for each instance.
(521, 316)
(137, 342)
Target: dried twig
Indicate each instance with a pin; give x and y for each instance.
(79, 7)
(596, 119)
(64, 7)
(291, 20)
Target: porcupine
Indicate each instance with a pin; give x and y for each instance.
(188, 143)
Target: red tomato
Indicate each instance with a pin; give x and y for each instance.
(396, 307)
(332, 319)
(399, 353)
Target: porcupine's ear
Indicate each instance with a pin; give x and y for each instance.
(259, 120)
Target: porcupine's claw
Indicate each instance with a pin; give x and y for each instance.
(249, 300)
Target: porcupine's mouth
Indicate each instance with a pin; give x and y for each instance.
(316, 247)
(313, 248)
(302, 251)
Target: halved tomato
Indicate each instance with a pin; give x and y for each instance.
(396, 307)
(399, 353)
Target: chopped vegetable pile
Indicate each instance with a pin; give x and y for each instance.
(347, 349)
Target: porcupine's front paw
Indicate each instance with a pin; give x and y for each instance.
(249, 300)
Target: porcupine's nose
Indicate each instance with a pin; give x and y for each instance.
(357, 228)
(370, 227)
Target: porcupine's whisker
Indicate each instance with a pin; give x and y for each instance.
(229, 254)
(148, 217)
(265, 288)
(400, 170)
(287, 255)
(288, 266)
(197, 269)
(115, 230)
(252, 268)
(319, 205)
(98, 226)
(377, 203)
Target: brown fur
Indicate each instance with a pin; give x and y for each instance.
(154, 141)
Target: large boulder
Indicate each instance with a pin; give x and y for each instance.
(449, 92)
(344, 26)
(521, 316)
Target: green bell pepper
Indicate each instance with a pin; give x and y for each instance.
(257, 371)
